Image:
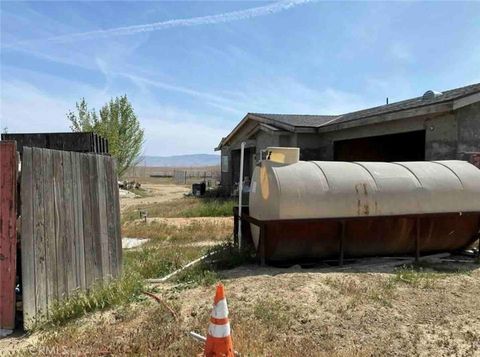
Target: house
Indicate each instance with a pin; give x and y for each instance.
(434, 126)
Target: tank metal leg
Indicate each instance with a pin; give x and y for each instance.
(417, 242)
(478, 250)
(342, 241)
(235, 227)
(263, 235)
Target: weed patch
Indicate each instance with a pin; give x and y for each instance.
(158, 261)
(272, 312)
(185, 207)
(210, 208)
(160, 232)
(380, 292)
(220, 257)
(423, 274)
(140, 192)
(117, 292)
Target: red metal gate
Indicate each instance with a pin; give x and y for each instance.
(8, 234)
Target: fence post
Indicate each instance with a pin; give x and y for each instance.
(8, 233)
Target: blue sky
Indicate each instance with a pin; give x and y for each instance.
(193, 69)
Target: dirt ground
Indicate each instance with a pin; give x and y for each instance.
(157, 193)
(358, 310)
(371, 307)
(353, 312)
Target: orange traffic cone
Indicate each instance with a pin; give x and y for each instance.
(219, 341)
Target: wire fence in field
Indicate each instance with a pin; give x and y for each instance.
(182, 177)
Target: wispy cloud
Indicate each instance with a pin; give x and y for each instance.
(401, 52)
(25, 108)
(28, 108)
(212, 99)
(194, 21)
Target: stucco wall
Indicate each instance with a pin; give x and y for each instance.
(447, 136)
(265, 140)
(324, 142)
(261, 140)
(468, 126)
(440, 136)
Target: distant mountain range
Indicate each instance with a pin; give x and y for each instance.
(194, 160)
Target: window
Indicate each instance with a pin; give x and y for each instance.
(225, 163)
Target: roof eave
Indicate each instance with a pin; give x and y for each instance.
(400, 114)
(467, 100)
(257, 118)
(272, 122)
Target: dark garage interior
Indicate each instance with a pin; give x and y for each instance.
(408, 146)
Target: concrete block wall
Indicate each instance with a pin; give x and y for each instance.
(441, 137)
(448, 136)
(468, 129)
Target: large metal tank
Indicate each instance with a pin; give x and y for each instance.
(380, 205)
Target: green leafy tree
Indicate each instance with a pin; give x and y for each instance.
(83, 119)
(116, 122)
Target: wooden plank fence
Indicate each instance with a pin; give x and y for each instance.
(8, 233)
(70, 226)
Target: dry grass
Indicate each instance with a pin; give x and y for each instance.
(277, 312)
(157, 261)
(185, 207)
(160, 232)
(172, 209)
(429, 310)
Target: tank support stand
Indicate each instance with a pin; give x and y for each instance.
(263, 235)
(417, 241)
(478, 249)
(342, 243)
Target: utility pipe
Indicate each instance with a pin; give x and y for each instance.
(202, 339)
(240, 192)
(197, 337)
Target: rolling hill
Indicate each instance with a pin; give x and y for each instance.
(193, 160)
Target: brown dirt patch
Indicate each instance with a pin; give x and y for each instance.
(157, 193)
(304, 312)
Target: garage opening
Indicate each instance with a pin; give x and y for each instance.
(408, 146)
(248, 165)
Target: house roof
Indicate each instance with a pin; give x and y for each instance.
(417, 102)
(292, 122)
(298, 120)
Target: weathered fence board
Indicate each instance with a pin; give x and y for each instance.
(70, 225)
(59, 219)
(78, 222)
(102, 215)
(71, 141)
(87, 220)
(69, 250)
(27, 246)
(95, 212)
(111, 213)
(39, 232)
(8, 234)
(50, 246)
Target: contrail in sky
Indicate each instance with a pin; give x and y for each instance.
(194, 21)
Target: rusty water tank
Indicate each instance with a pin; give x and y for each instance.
(379, 203)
